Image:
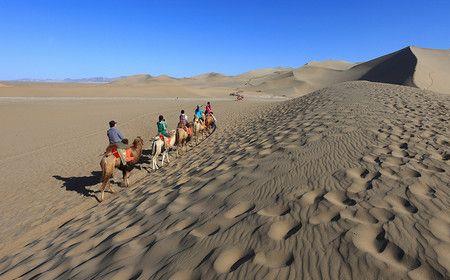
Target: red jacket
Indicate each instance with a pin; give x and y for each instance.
(208, 109)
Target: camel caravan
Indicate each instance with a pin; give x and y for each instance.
(120, 155)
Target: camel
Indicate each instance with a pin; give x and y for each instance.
(209, 123)
(109, 162)
(181, 139)
(162, 147)
(199, 129)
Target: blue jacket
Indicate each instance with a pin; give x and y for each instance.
(114, 135)
(198, 113)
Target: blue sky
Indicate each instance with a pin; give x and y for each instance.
(69, 38)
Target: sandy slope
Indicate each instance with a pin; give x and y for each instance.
(49, 153)
(432, 69)
(347, 182)
(411, 66)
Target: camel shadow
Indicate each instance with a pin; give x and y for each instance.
(79, 184)
(146, 157)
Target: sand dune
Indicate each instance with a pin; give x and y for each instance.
(134, 79)
(347, 182)
(411, 66)
(332, 64)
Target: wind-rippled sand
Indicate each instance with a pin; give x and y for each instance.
(347, 182)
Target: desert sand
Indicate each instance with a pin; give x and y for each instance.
(349, 181)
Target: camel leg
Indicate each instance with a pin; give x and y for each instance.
(167, 155)
(162, 160)
(111, 188)
(155, 164)
(102, 190)
(125, 178)
(107, 173)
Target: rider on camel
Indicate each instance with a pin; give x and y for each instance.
(199, 113)
(208, 111)
(116, 138)
(162, 126)
(183, 120)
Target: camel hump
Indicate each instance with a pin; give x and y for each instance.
(110, 149)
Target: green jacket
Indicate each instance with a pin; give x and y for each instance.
(162, 128)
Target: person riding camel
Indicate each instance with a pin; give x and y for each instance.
(183, 120)
(116, 138)
(162, 126)
(198, 114)
(208, 111)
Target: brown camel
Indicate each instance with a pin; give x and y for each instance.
(109, 162)
(181, 139)
(209, 123)
(199, 129)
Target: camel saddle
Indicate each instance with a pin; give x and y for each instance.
(166, 140)
(189, 131)
(129, 156)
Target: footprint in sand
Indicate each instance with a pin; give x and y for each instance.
(239, 209)
(311, 197)
(231, 258)
(370, 159)
(422, 190)
(357, 185)
(325, 215)
(330, 207)
(371, 240)
(400, 204)
(356, 173)
(283, 229)
(360, 215)
(393, 161)
(381, 214)
(274, 210)
(409, 173)
(338, 198)
(361, 179)
(274, 259)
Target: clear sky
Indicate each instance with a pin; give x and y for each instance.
(77, 38)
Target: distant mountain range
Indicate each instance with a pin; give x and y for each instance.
(69, 80)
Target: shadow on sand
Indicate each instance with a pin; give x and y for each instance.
(79, 184)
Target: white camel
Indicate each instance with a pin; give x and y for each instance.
(159, 147)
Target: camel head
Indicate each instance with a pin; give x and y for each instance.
(138, 142)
